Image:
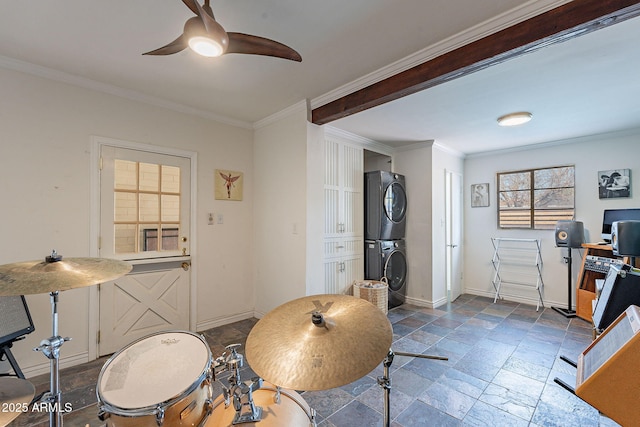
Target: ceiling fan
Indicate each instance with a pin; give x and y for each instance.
(207, 37)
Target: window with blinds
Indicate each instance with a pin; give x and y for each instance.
(536, 198)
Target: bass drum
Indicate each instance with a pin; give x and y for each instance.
(284, 409)
(163, 379)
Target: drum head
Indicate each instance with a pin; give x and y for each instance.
(153, 370)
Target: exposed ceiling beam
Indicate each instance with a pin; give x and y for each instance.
(570, 20)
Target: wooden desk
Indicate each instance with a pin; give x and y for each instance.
(586, 286)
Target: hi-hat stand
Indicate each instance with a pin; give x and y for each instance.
(385, 381)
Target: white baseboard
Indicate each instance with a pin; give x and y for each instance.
(221, 321)
(515, 298)
(425, 303)
(63, 362)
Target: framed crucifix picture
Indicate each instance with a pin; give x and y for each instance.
(228, 184)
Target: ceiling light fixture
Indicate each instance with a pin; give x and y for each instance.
(514, 119)
(210, 43)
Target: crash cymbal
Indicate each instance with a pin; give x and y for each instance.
(57, 274)
(15, 397)
(319, 342)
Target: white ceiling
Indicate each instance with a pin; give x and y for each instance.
(584, 86)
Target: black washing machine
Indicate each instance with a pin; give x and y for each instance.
(385, 201)
(388, 258)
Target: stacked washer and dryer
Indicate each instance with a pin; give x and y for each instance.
(385, 200)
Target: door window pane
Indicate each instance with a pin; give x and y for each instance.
(126, 207)
(170, 179)
(149, 177)
(126, 173)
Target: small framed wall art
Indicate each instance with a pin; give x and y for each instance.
(228, 184)
(614, 183)
(480, 195)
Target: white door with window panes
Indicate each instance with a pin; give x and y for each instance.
(144, 218)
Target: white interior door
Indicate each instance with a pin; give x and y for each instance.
(453, 233)
(145, 201)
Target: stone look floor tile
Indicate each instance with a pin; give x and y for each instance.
(502, 361)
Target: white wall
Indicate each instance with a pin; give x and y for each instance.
(280, 224)
(315, 209)
(424, 167)
(45, 130)
(589, 155)
(414, 163)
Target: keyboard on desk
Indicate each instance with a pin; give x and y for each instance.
(600, 264)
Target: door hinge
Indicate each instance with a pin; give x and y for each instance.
(98, 337)
(99, 242)
(100, 163)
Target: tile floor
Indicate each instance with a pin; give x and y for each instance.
(502, 361)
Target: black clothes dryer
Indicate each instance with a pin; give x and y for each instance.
(388, 258)
(385, 200)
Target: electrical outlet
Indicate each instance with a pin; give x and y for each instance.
(210, 219)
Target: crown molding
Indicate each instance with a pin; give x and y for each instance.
(292, 109)
(361, 141)
(450, 151)
(60, 76)
(429, 143)
(548, 144)
(477, 32)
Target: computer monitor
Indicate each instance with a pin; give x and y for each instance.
(612, 215)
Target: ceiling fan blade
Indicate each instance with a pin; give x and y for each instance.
(174, 47)
(256, 45)
(193, 5)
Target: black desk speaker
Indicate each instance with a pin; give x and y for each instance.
(569, 234)
(625, 238)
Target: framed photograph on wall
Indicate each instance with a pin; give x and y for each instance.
(614, 183)
(480, 195)
(228, 184)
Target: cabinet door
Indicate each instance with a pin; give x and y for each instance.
(332, 190)
(344, 215)
(343, 190)
(340, 273)
(352, 182)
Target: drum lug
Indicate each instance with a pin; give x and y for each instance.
(276, 397)
(102, 414)
(160, 416)
(312, 416)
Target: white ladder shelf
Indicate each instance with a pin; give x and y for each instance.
(517, 262)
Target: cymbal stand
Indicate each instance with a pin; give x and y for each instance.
(242, 392)
(50, 347)
(385, 381)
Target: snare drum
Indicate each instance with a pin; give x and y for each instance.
(161, 379)
(284, 409)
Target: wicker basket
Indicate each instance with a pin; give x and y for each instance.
(374, 291)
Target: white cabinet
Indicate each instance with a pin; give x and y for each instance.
(344, 216)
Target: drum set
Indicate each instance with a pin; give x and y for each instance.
(167, 378)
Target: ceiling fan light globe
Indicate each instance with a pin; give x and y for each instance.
(206, 43)
(205, 46)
